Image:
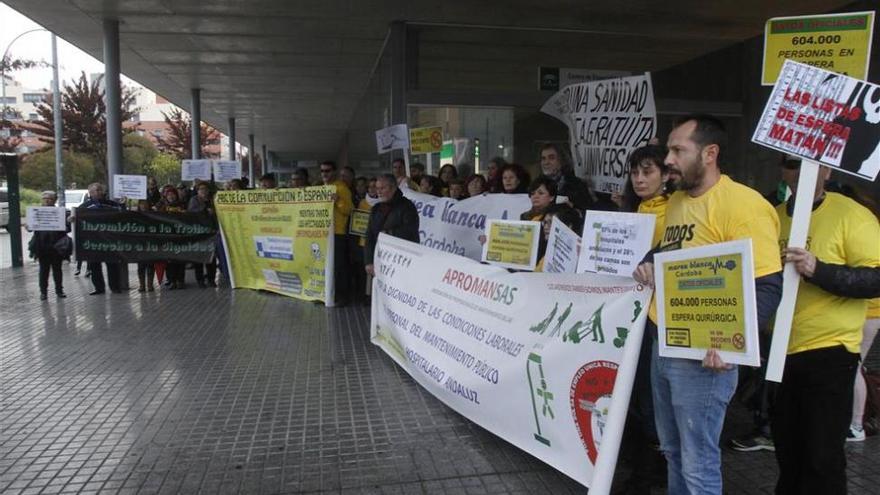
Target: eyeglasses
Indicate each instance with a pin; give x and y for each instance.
(326, 170)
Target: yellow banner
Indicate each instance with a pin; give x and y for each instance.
(838, 42)
(704, 303)
(512, 244)
(360, 221)
(424, 140)
(279, 240)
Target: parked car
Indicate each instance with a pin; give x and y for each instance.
(75, 197)
(4, 208)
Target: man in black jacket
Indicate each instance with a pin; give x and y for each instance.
(555, 164)
(393, 214)
(98, 200)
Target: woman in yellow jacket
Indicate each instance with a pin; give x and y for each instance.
(648, 187)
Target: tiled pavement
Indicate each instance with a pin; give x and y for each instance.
(220, 391)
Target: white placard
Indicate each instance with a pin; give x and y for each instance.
(606, 120)
(544, 361)
(706, 299)
(195, 169)
(46, 218)
(563, 248)
(512, 244)
(823, 117)
(456, 226)
(614, 242)
(130, 186)
(395, 137)
(226, 170)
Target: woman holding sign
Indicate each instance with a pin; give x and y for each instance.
(648, 188)
(44, 247)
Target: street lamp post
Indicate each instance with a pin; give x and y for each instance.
(56, 103)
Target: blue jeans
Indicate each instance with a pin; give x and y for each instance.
(689, 407)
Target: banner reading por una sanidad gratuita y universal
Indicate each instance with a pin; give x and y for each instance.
(545, 361)
(114, 236)
(456, 226)
(606, 120)
(279, 240)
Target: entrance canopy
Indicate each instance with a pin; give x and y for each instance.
(292, 72)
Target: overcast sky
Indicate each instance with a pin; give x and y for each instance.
(38, 46)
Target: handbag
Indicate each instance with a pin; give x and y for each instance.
(64, 246)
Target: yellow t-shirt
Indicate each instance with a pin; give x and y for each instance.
(341, 208)
(873, 309)
(842, 232)
(363, 205)
(657, 207)
(726, 212)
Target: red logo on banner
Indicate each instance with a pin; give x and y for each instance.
(590, 400)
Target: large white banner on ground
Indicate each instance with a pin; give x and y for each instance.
(456, 226)
(545, 361)
(606, 120)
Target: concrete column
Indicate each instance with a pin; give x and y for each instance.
(251, 155)
(397, 45)
(265, 158)
(112, 95)
(231, 134)
(196, 122)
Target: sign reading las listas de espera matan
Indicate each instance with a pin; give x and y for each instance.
(837, 42)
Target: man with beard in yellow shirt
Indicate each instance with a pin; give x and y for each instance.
(690, 397)
(841, 271)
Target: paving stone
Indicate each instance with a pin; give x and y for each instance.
(220, 391)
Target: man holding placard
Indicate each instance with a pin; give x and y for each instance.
(708, 208)
(813, 405)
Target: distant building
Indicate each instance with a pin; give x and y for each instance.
(150, 120)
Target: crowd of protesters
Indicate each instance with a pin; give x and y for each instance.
(678, 406)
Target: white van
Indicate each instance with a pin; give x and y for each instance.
(75, 197)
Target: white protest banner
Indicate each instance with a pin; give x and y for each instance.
(606, 120)
(395, 137)
(195, 169)
(512, 244)
(615, 242)
(824, 117)
(563, 245)
(130, 186)
(456, 226)
(46, 218)
(706, 300)
(226, 170)
(545, 361)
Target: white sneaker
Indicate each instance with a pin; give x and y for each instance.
(855, 434)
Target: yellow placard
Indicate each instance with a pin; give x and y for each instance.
(424, 140)
(279, 240)
(837, 42)
(513, 244)
(704, 303)
(360, 221)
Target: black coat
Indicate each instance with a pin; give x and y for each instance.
(397, 217)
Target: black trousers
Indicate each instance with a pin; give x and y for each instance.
(201, 268)
(176, 271)
(341, 268)
(810, 419)
(98, 276)
(146, 271)
(52, 262)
